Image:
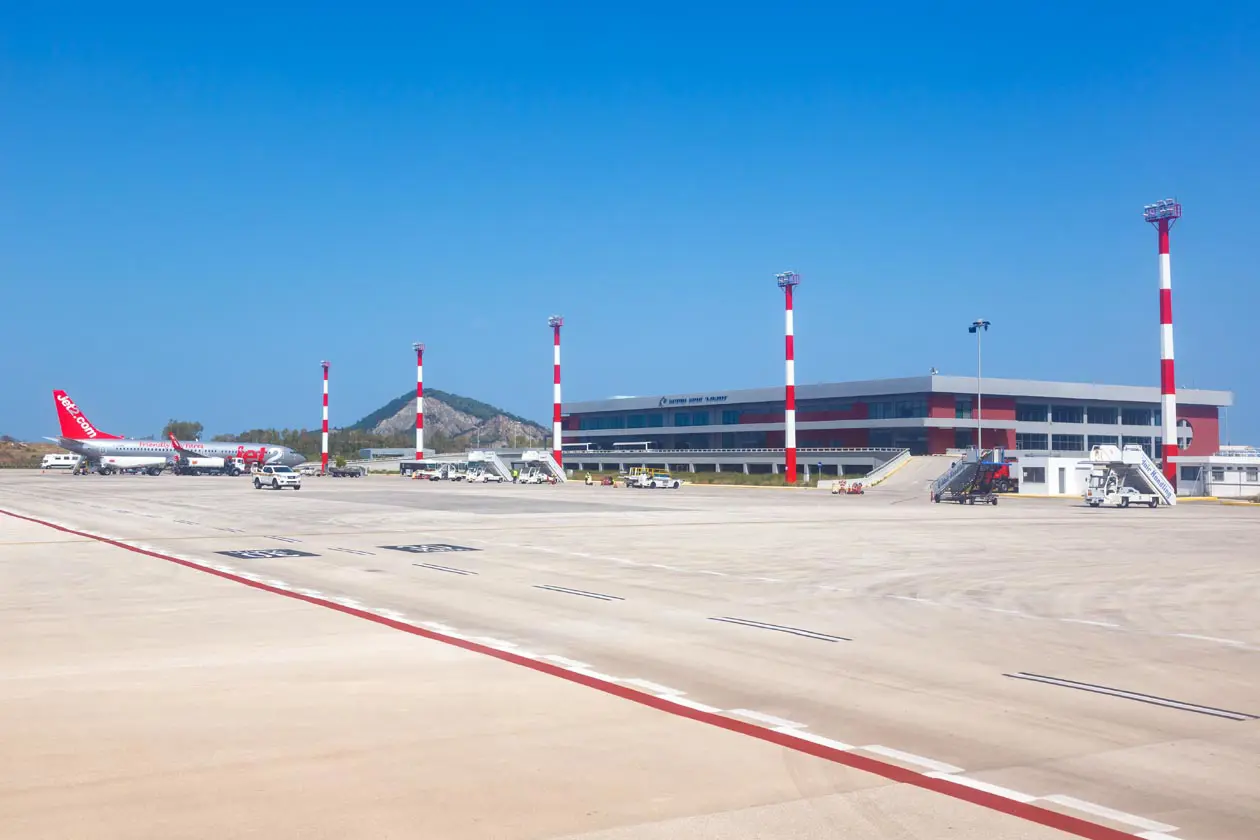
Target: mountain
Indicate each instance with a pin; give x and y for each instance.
(463, 420)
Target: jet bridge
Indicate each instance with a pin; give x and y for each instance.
(1121, 477)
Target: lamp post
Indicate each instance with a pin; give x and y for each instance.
(979, 327)
(419, 348)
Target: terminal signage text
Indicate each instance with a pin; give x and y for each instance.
(703, 400)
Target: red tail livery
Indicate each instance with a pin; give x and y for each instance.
(74, 424)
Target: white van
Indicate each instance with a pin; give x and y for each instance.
(60, 461)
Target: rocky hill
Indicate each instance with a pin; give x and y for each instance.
(463, 420)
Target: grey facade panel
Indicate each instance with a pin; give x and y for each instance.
(1018, 388)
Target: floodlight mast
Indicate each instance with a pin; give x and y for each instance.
(979, 327)
(557, 445)
(788, 281)
(1163, 214)
(323, 456)
(419, 348)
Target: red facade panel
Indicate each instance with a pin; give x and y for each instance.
(1205, 422)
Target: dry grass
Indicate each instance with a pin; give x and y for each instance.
(18, 455)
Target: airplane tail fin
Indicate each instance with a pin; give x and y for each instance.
(74, 423)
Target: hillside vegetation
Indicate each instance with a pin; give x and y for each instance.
(452, 423)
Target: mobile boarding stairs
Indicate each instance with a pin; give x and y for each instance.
(1121, 477)
(971, 478)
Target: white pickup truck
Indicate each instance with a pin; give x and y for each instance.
(277, 477)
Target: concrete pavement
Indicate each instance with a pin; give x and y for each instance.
(903, 631)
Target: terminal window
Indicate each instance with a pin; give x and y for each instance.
(730, 417)
(1068, 443)
(1103, 440)
(1067, 414)
(682, 418)
(655, 421)
(962, 408)
(1136, 417)
(1032, 413)
(1189, 473)
(1028, 440)
(700, 418)
(1035, 475)
(1104, 415)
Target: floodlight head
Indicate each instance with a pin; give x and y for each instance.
(977, 325)
(787, 279)
(418, 347)
(555, 321)
(1167, 209)
(325, 364)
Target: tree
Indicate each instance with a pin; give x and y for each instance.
(340, 462)
(183, 429)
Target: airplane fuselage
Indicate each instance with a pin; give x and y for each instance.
(250, 452)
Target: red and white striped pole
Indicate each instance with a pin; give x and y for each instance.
(419, 348)
(323, 458)
(557, 447)
(788, 281)
(1163, 214)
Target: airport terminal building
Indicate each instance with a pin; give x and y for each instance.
(925, 414)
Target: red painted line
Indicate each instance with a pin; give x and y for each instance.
(892, 772)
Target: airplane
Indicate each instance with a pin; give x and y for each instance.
(80, 435)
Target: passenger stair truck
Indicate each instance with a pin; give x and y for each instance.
(971, 479)
(1119, 478)
(490, 460)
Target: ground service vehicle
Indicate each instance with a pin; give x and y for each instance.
(653, 479)
(59, 461)
(110, 464)
(346, 472)
(1123, 477)
(484, 477)
(277, 477)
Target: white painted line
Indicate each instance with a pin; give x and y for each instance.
(690, 704)
(490, 641)
(710, 572)
(651, 687)
(1005, 611)
(1089, 622)
(599, 675)
(911, 758)
(911, 598)
(348, 602)
(225, 569)
(566, 662)
(998, 790)
(1109, 813)
(769, 720)
(395, 615)
(1216, 639)
(1156, 835)
(816, 739)
(310, 593)
(278, 584)
(766, 579)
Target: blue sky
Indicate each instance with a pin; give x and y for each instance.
(198, 207)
